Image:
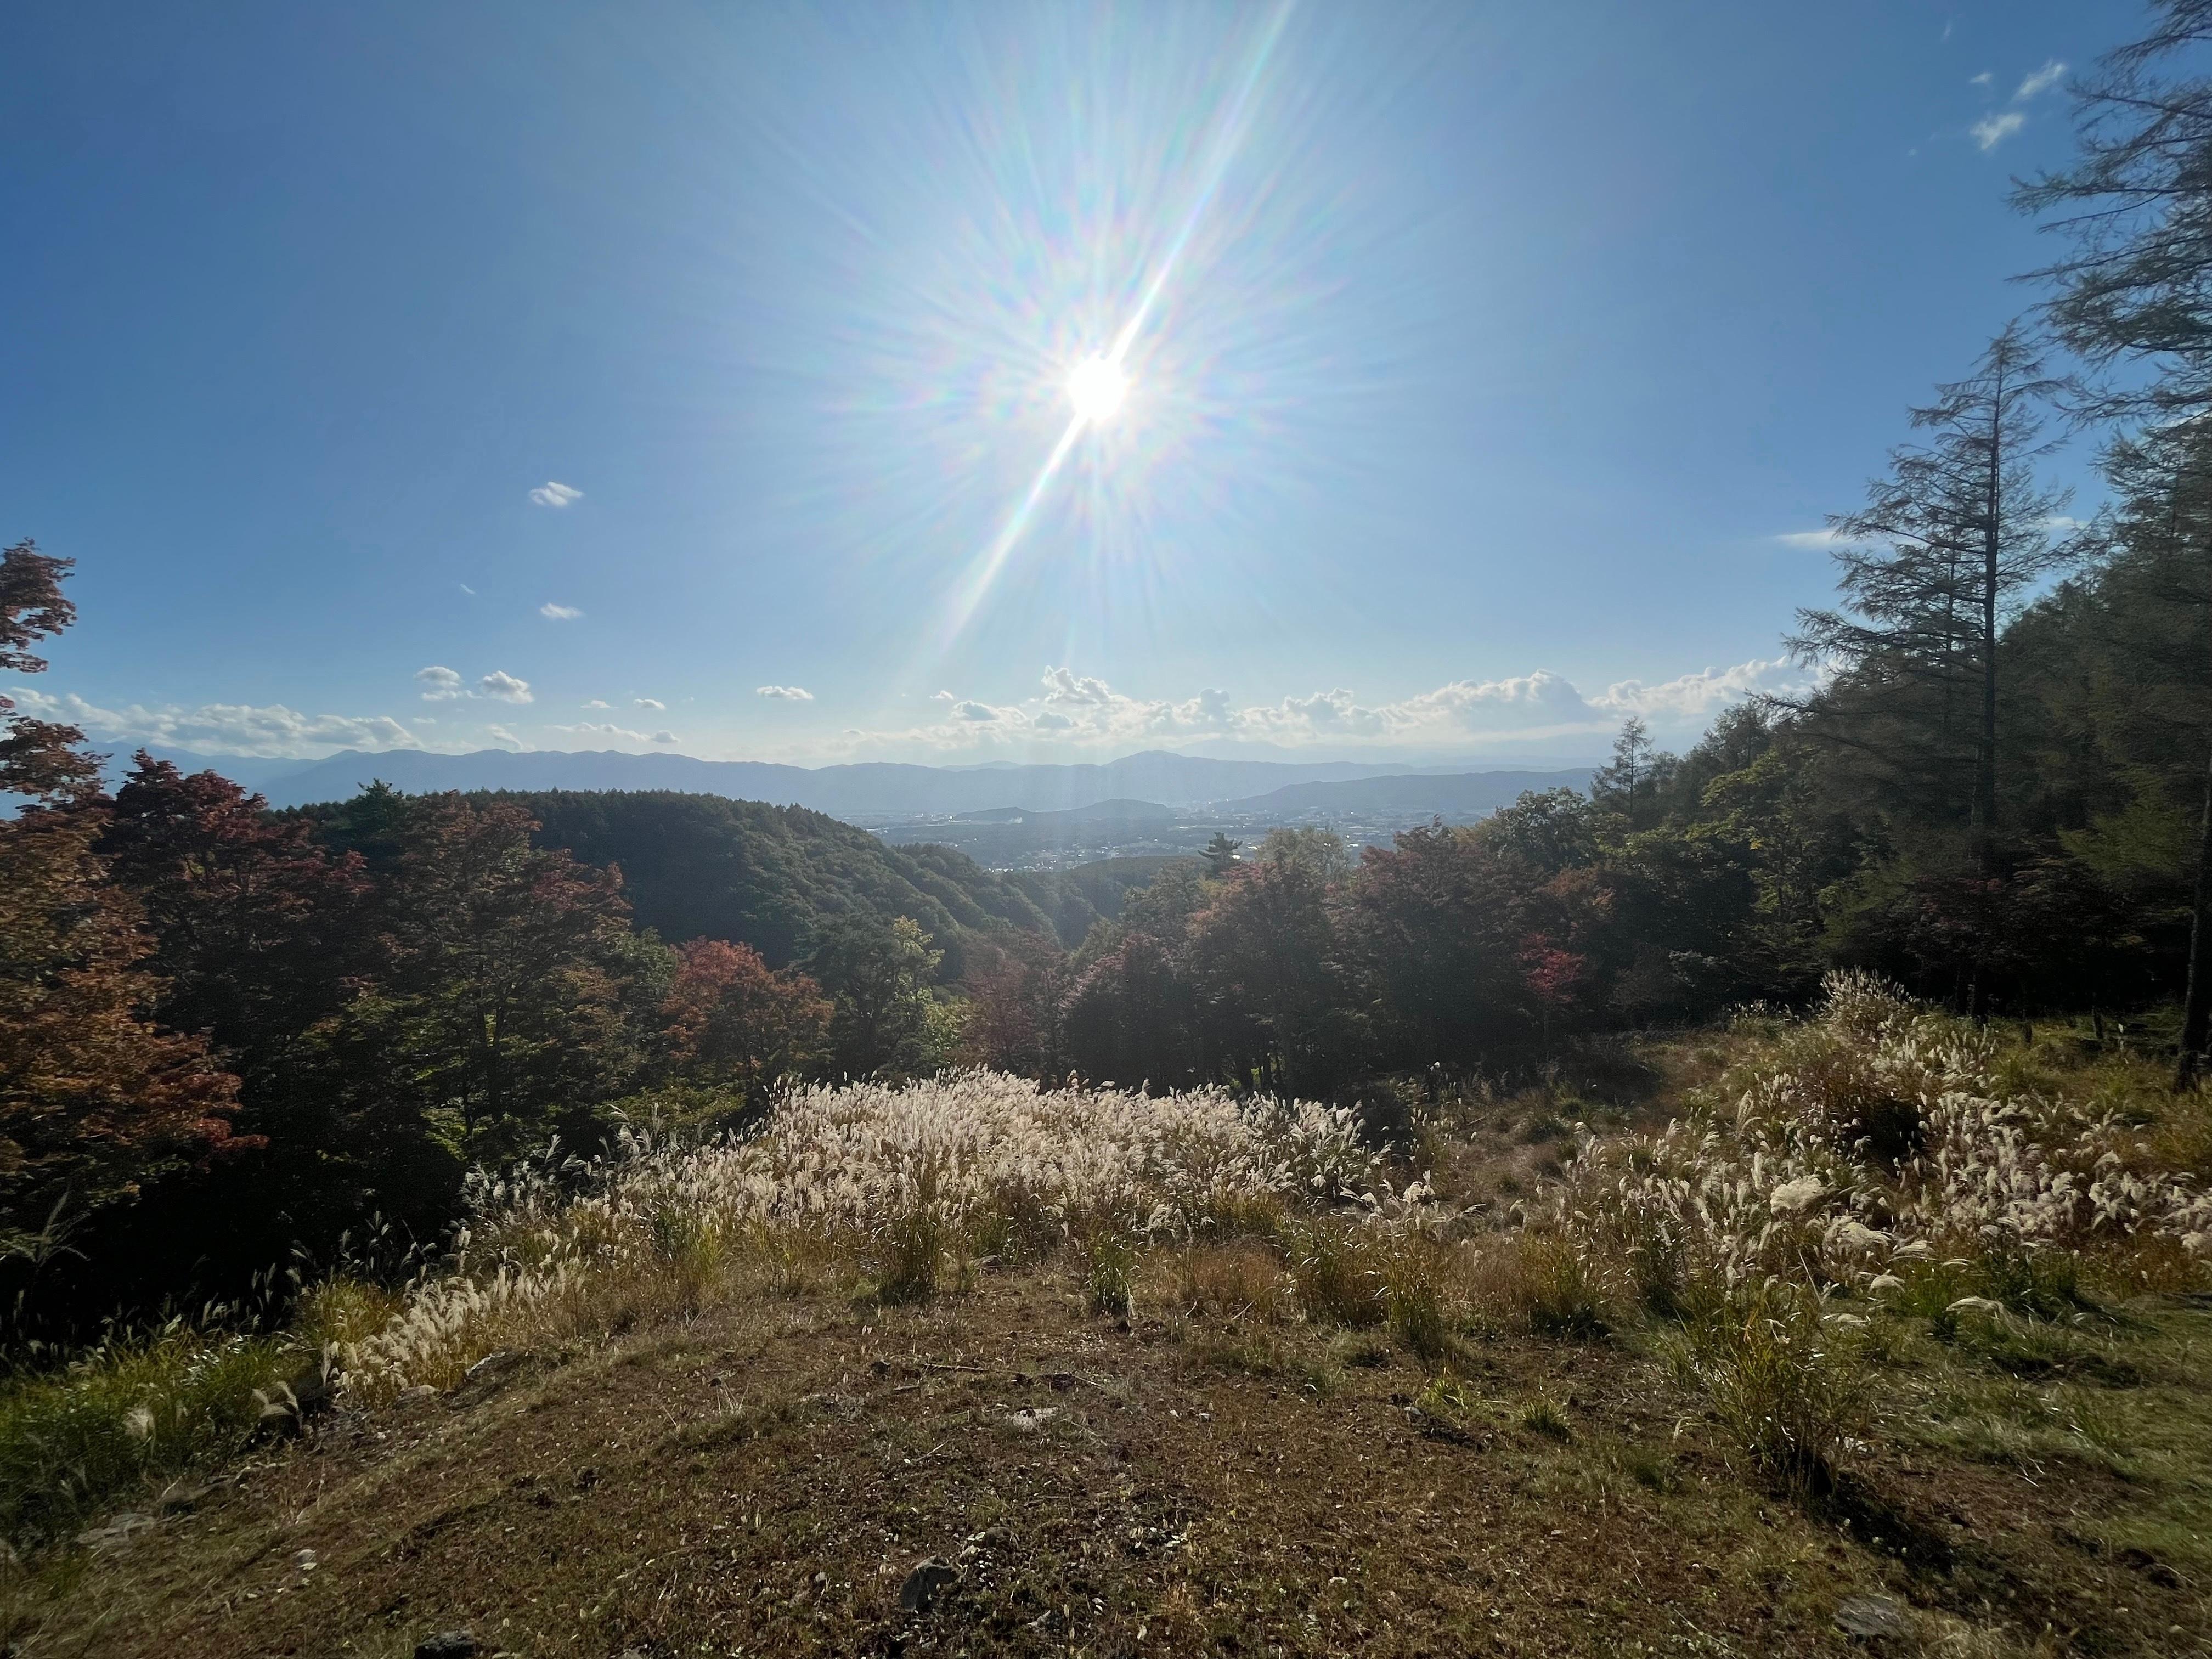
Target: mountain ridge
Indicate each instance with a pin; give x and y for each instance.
(882, 789)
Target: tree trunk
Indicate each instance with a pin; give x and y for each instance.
(2197, 1006)
(1983, 849)
(1985, 758)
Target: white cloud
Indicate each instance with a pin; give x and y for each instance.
(2041, 82)
(270, 730)
(1831, 537)
(466, 589)
(500, 734)
(553, 612)
(1694, 698)
(551, 494)
(444, 685)
(1982, 80)
(1063, 685)
(1993, 129)
(608, 729)
(598, 703)
(653, 703)
(1073, 712)
(784, 693)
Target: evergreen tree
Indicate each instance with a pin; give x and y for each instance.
(2134, 290)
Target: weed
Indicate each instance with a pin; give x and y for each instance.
(1337, 1280)
(1553, 1287)
(1415, 1298)
(1449, 1400)
(910, 1252)
(1788, 1384)
(126, 1414)
(1543, 1415)
(1652, 1469)
(1109, 1274)
(1361, 1353)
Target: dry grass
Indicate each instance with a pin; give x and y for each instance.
(1874, 1208)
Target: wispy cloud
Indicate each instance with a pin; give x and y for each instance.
(270, 731)
(500, 735)
(503, 688)
(598, 703)
(1982, 80)
(609, 729)
(440, 684)
(553, 612)
(2041, 82)
(1993, 129)
(1078, 712)
(466, 589)
(653, 703)
(784, 693)
(1829, 538)
(551, 494)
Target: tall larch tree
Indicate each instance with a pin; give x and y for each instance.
(2134, 292)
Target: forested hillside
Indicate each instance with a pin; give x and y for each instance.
(702, 867)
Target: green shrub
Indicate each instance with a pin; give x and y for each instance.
(1414, 1289)
(1789, 1384)
(909, 1254)
(1556, 1292)
(1337, 1279)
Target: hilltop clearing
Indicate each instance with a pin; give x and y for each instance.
(1195, 1375)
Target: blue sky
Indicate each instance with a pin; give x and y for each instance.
(670, 377)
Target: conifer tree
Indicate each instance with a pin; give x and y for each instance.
(2134, 290)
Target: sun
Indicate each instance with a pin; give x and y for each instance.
(1096, 387)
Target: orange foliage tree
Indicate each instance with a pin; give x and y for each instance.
(730, 1018)
(94, 1099)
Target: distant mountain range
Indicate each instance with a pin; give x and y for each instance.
(883, 790)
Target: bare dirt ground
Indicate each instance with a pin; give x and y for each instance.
(768, 1478)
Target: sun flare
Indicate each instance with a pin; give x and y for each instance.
(1096, 388)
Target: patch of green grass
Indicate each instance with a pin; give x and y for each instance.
(1109, 1265)
(910, 1252)
(1789, 1384)
(1557, 1290)
(1544, 1416)
(126, 1416)
(1338, 1277)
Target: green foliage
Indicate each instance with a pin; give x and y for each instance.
(1557, 1290)
(1418, 1300)
(885, 1023)
(126, 1416)
(1789, 1381)
(1339, 1276)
